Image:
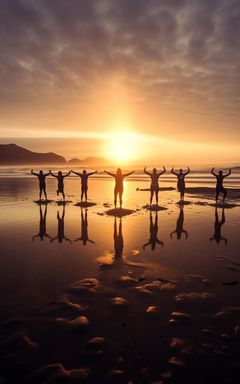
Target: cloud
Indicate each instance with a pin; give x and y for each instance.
(175, 63)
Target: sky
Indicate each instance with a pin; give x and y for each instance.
(123, 79)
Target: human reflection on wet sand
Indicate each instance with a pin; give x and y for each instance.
(153, 239)
(179, 226)
(118, 239)
(61, 236)
(84, 229)
(42, 224)
(217, 236)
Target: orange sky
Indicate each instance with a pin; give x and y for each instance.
(161, 85)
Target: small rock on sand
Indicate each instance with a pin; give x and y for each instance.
(96, 343)
(80, 322)
(56, 373)
(152, 310)
(88, 285)
(176, 361)
(118, 301)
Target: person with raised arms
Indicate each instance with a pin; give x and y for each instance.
(154, 187)
(118, 189)
(84, 182)
(219, 186)
(181, 181)
(60, 177)
(42, 182)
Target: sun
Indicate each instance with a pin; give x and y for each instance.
(122, 147)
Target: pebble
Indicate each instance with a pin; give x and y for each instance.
(177, 343)
(181, 315)
(152, 309)
(176, 361)
(54, 372)
(118, 301)
(88, 285)
(194, 297)
(79, 322)
(115, 373)
(96, 343)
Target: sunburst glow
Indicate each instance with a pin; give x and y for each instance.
(123, 146)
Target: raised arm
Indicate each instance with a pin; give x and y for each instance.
(91, 173)
(67, 174)
(33, 173)
(229, 173)
(188, 171)
(174, 173)
(52, 174)
(128, 174)
(109, 173)
(213, 173)
(67, 239)
(162, 172)
(145, 171)
(35, 236)
(160, 242)
(76, 173)
(172, 233)
(146, 244)
(47, 174)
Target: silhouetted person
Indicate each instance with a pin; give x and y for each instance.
(84, 182)
(84, 229)
(118, 239)
(218, 228)
(181, 181)
(60, 178)
(42, 225)
(42, 182)
(153, 239)
(179, 226)
(61, 236)
(219, 186)
(154, 187)
(118, 189)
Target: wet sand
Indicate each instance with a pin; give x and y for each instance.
(152, 297)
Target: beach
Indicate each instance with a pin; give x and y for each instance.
(88, 296)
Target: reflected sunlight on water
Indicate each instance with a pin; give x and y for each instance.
(145, 259)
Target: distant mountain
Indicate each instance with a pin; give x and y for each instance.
(88, 161)
(12, 154)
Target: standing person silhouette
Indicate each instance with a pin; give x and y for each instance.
(219, 186)
(118, 239)
(181, 181)
(154, 187)
(118, 189)
(84, 229)
(42, 182)
(153, 239)
(60, 178)
(42, 225)
(61, 234)
(217, 236)
(179, 226)
(84, 182)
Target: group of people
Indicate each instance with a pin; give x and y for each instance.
(119, 178)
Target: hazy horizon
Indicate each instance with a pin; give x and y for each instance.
(82, 148)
